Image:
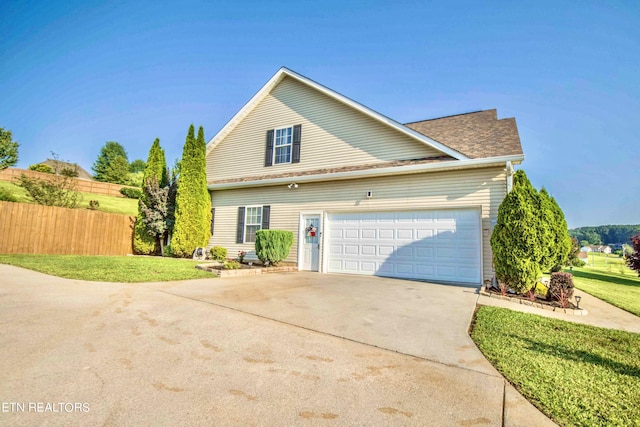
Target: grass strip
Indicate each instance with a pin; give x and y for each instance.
(127, 269)
(578, 375)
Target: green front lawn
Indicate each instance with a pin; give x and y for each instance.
(109, 268)
(576, 374)
(110, 204)
(611, 281)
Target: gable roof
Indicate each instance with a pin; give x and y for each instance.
(477, 135)
(59, 165)
(285, 72)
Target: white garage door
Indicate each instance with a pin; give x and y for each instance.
(442, 245)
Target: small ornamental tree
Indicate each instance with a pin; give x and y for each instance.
(633, 259)
(59, 189)
(193, 202)
(515, 240)
(153, 211)
(8, 149)
(572, 259)
(273, 246)
(155, 168)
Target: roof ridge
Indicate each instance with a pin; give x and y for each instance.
(453, 115)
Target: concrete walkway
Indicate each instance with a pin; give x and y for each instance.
(226, 353)
(600, 313)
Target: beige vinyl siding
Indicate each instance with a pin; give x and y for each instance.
(483, 188)
(333, 135)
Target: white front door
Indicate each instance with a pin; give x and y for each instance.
(311, 242)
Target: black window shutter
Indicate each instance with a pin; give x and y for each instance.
(213, 219)
(266, 213)
(295, 152)
(240, 231)
(268, 155)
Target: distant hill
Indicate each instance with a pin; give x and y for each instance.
(605, 234)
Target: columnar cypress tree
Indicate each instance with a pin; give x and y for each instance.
(560, 242)
(516, 237)
(156, 167)
(546, 226)
(193, 203)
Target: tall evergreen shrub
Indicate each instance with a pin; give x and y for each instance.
(559, 242)
(516, 237)
(193, 203)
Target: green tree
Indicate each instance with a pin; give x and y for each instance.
(559, 242)
(41, 167)
(153, 210)
(574, 250)
(584, 243)
(633, 259)
(515, 240)
(156, 164)
(59, 189)
(137, 165)
(155, 169)
(193, 203)
(546, 218)
(8, 149)
(112, 164)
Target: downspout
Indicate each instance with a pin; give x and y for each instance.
(509, 170)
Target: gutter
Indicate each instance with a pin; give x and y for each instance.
(371, 173)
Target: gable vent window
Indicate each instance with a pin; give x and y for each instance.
(283, 145)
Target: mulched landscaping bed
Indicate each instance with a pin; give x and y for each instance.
(539, 301)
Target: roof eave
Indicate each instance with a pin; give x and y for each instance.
(370, 173)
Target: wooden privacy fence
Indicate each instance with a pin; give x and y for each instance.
(82, 185)
(37, 229)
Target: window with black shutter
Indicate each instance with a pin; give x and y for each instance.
(283, 145)
(250, 220)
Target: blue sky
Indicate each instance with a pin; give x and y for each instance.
(76, 74)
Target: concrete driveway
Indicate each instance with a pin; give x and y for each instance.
(286, 349)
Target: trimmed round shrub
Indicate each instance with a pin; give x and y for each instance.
(560, 286)
(273, 246)
(218, 253)
(231, 265)
(7, 196)
(131, 193)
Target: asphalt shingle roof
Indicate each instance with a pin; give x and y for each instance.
(476, 135)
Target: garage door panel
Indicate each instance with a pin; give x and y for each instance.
(351, 266)
(368, 234)
(368, 250)
(404, 234)
(404, 252)
(432, 245)
(424, 234)
(368, 267)
(425, 253)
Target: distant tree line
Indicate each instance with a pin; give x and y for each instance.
(605, 234)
